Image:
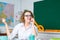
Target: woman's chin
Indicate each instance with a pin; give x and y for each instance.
(28, 21)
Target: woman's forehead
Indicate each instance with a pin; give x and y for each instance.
(27, 13)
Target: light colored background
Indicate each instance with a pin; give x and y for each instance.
(19, 5)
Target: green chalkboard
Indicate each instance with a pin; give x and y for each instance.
(47, 13)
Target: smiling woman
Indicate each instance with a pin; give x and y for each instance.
(25, 30)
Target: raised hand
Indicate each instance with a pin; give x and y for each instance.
(32, 20)
(4, 20)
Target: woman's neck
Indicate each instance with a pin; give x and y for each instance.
(27, 24)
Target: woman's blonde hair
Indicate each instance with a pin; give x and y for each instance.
(23, 13)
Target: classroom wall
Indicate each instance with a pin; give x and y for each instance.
(17, 7)
(16, 3)
(20, 5)
(28, 4)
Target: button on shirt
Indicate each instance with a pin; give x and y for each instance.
(23, 33)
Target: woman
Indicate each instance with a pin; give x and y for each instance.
(23, 29)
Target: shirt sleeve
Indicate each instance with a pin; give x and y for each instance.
(36, 29)
(14, 32)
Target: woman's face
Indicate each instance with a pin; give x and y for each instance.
(27, 17)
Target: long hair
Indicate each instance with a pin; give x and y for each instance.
(22, 16)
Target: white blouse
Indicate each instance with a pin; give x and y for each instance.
(23, 33)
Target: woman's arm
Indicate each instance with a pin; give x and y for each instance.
(33, 26)
(7, 29)
(14, 32)
(34, 30)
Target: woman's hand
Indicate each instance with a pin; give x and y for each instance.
(32, 20)
(4, 20)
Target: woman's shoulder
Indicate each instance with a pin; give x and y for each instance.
(20, 24)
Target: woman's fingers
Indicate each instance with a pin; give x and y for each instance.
(3, 20)
(32, 20)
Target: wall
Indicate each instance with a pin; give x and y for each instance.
(28, 4)
(17, 7)
(20, 5)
